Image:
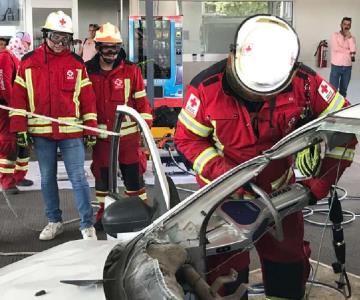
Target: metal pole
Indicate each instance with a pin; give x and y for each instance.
(150, 50)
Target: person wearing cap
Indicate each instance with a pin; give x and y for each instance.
(53, 82)
(88, 49)
(242, 106)
(117, 81)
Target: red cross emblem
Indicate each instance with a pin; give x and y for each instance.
(62, 22)
(193, 102)
(324, 88)
(248, 48)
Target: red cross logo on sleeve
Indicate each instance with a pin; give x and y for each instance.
(62, 22)
(324, 88)
(193, 102)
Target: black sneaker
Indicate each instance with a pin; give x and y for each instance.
(25, 182)
(12, 191)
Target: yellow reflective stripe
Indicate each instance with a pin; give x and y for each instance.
(282, 180)
(102, 135)
(22, 168)
(77, 92)
(203, 158)
(38, 121)
(127, 90)
(336, 104)
(100, 196)
(140, 94)
(40, 130)
(217, 143)
(22, 160)
(194, 126)
(30, 89)
(85, 82)
(69, 129)
(207, 181)
(89, 116)
(127, 124)
(5, 161)
(20, 81)
(17, 112)
(128, 131)
(338, 153)
(143, 196)
(146, 116)
(7, 170)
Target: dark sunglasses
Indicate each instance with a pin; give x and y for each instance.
(109, 49)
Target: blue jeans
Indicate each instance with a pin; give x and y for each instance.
(340, 78)
(73, 154)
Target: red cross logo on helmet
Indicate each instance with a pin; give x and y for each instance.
(62, 22)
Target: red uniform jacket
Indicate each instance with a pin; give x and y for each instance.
(216, 132)
(57, 86)
(123, 85)
(8, 66)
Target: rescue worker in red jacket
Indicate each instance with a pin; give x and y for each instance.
(117, 81)
(239, 107)
(53, 82)
(13, 161)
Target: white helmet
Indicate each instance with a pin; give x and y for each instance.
(58, 21)
(264, 57)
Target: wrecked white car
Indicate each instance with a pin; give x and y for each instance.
(155, 248)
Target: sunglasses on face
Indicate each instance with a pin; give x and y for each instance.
(60, 38)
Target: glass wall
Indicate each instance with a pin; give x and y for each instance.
(11, 17)
(210, 26)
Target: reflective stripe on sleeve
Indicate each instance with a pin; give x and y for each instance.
(336, 104)
(17, 112)
(146, 116)
(338, 153)
(282, 180)
(89, 116)
(203, 158)
(194, 126)
(140, 94)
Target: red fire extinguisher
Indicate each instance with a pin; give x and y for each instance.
(322, 54)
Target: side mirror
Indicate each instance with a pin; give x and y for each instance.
(126, 215)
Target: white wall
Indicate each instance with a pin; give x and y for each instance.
(94, 11)
(317, 20)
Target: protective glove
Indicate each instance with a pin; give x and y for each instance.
(22, 139)
(308, 161)
(90, 141)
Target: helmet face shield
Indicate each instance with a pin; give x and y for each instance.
(265, 55)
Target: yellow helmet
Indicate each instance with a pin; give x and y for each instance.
(108, 33)
(58, 21)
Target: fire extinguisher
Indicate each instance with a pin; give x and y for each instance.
(322, 54)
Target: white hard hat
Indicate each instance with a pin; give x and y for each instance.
(265, 55)
(59, 21)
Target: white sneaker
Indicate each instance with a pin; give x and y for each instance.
(51, 230)
(89, 233)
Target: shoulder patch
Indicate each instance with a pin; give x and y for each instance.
(192, 105)
(326, 91)
(77, 57)
(209, 72)
(27, 55)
